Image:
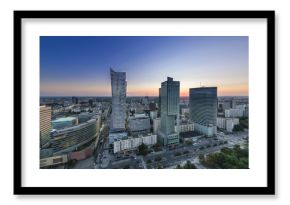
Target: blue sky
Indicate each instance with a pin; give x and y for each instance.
(79, 65)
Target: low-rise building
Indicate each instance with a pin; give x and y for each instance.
(234, 112)
(227, 123)
(53, 162)
(70, 139)
(208, 130)
(186, 127)
(139, 124)
(153, 114)
(156, 125)
(184, 111)
(132, 143)
(64, 122)
(116, 136)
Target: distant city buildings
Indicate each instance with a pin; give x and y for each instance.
(45, 125)
(169, 96)
(238, 111)
(152, 106)
(119, 87)
(203, 109)
(77, 131)
(75, 100)
(184, 111)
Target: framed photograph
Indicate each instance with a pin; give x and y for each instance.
(144, 102)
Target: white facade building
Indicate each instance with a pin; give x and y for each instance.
(227, 123)
(117, 146)
(153, 114)
(185, 127)
(156, 125)
(206, 130)
(134, 143)
(184, 111)
(236, 112)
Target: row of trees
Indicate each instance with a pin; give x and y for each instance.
(143, 149)
(188, 165)
(235, 158)
(243, 124)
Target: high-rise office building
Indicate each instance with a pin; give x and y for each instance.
(119, 87)
(45, 125)
(203, 109)
(75, 100)
(159, 103)
(91, 102)
(169, 96)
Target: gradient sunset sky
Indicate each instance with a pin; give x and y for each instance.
(80, 65)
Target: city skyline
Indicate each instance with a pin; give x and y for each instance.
(80, 66)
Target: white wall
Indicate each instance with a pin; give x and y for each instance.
(282, 72)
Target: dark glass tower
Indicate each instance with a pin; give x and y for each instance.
(169, 100)
(203, 108)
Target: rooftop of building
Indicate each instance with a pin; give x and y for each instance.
(65, 119)
(76, 127)
(204, 87)
(113, 71)
(136, 136)
(138, 116)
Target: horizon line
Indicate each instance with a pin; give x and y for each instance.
(132, 96)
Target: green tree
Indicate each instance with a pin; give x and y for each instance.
(178, 166)
(189, 142)
(126, 166)
(189, 165)
(201, 158)
(160, 166)
(143, 149)
(238, 128)
(235, 158)
(177, 154)
(157, 159)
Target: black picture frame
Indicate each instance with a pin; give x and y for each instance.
(268, 190)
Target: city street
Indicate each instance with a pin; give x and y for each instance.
(166, 158)
(171, 158)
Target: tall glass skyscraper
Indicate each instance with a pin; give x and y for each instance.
(203, 109)
(169, 97)
(119, 87)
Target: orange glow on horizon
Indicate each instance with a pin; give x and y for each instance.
(94, 90)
